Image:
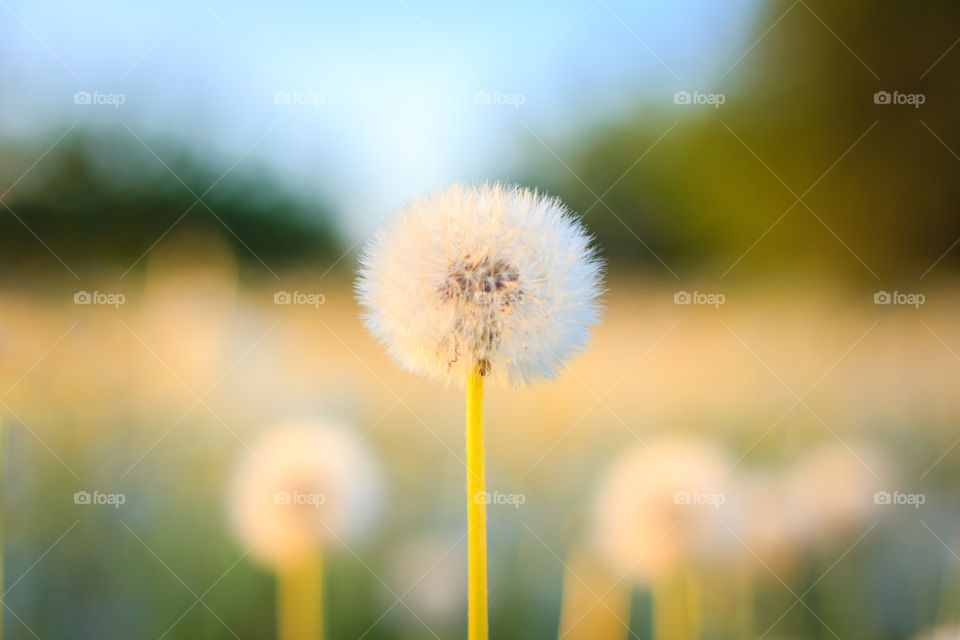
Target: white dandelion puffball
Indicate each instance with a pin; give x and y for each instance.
(659, 506)
(303, 486)
(493, 275)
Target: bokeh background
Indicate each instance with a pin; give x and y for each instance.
(183, 162)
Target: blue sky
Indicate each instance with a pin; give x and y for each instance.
(391, 93)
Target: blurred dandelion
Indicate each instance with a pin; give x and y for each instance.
(491, 281)
(646, 516)
(778, 516)
(302, 487)
(831, 488)
(656, 514)
(767, 526)
(765, 535)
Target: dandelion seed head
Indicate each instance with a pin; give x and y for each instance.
(493, 275)
(303, 485)
(659, 507)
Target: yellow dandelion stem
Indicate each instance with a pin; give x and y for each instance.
(746, 604)
(585, 615)
(300, 599)
(476, 508)
(676, 606)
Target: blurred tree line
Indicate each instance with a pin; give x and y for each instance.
(100, 201)
(798, 169)
(796, 103)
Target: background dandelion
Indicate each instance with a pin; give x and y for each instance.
(832, 489)
(657, 520)
(303, 490)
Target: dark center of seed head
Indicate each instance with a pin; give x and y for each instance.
(483, 367)
(474, 279)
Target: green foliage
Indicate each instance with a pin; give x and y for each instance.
(799, 114)
(101, 201)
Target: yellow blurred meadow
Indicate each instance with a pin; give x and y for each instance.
(159, 397)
